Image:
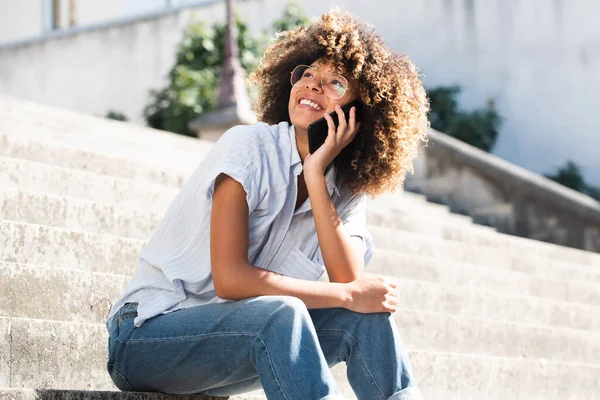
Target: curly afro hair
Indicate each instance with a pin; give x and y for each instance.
(395, 103)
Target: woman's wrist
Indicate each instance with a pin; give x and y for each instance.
(346, 294)
(313, 171)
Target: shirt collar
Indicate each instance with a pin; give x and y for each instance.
(294, 148)
(330, 174)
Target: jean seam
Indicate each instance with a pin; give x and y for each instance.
(168, 339)
(363, 368)
(271, 366)
(125, 317)
(344, 334)
(367, 375)
(338, 332)
(124, 379)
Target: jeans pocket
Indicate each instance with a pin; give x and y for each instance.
(118, 379)
(124, 327)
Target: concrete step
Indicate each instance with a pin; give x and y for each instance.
(72, 152)
(419, 220)
(50, 179)
(406, 203)
(105, 253)
(53, 394)
(391, 262)
(14, 146)
(61, 155)
(94, 216)
(45, 178)
(99, 135)
(58, 248)
(451, 250)
(140, 145)
(57, 294)
(82, 215)
(68, 157)
(76, 214)
(50, 354)
(516, 245)
(85, 296)
(413, 232)
(451, 376)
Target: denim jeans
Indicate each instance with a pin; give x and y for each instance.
(269, 342)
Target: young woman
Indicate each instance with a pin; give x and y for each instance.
(226, 298)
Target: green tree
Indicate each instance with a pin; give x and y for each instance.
(593, 192)
(116, 116)
(478, 128)
(293, 16)
(192, 82)
(443, 107)
(570, 175)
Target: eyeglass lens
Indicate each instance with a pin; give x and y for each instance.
(334, 86)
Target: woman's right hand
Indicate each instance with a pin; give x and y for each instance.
(372, 293)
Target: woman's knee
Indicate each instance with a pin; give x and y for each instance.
(382, 321)
(285, 304)
(283, 308)
(354, 322)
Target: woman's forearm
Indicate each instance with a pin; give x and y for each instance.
(342, 256)
(251, 281)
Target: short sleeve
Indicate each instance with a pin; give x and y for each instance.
(354, 219)
(237, 153)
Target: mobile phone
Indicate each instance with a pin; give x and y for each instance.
(318, 130)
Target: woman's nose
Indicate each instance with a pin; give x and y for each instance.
(314, 84)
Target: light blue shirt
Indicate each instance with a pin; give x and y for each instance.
(174, 267)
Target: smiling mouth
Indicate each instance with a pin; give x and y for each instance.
(311, 104)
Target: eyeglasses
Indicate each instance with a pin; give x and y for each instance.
(334, 86)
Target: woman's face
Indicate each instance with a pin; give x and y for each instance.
(302, 115)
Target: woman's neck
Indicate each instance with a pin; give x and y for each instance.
(301, 142)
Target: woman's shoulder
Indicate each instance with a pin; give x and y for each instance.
(256, 141)
(259, 132)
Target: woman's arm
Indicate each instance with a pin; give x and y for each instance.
(234, 277)
(343, 255)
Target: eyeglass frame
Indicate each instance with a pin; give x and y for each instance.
(320, 72)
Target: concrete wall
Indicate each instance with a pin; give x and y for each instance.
(511, 199)
(100, 69)
(20, 19)
(24, 19)
(539, 59)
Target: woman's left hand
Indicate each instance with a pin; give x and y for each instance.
(335, 142)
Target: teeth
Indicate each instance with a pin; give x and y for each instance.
(311, 103)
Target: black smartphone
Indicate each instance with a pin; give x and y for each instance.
(317, 131)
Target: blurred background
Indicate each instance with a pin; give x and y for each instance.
(525, 73)
(518, 81)
(494, 240)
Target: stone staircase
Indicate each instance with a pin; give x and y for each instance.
(484, 315)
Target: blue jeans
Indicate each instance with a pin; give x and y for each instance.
(269, 342)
